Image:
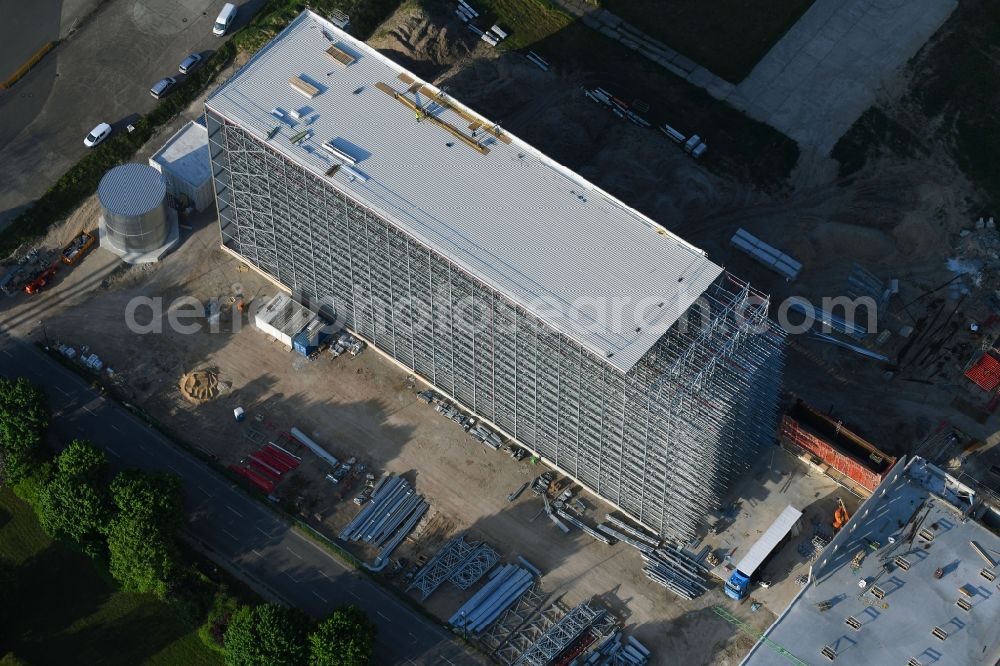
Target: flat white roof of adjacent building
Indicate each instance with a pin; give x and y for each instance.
(538, 233)
(185, 154)
(918, 520)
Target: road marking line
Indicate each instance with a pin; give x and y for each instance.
(354, 595)
(448, 660)
(325, 600)
(58, 388)
(89, 410)
(7, 353)
(294, 579)
(413, 636)
(267, 534)
(383, 616)
(234, 537)
(256, 552)
(293, 552)
(114, 453)
(323, 574)
(115, 428)
(174, 469)
(203, 490)
(234, 511)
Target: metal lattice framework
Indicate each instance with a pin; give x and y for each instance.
(474, 567)
(494, 637)
(442, 566)
(559, 636)
(662, 442)
(534, 628)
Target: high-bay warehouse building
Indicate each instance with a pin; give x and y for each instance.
(588, 332)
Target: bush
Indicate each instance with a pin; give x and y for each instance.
(24, 417)
(267, 634)
(213, 630)
(346, 638)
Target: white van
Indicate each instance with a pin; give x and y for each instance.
(225, 19)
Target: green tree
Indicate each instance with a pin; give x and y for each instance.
(345, 638)
(75, 505)
(24, 416)
(141, 536)
(268, 634)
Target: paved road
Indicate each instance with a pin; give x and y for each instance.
(237, 531)
(112, 52)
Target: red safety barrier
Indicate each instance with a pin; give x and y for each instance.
(274, 461)
(265, 469)
(261, 482)
(284, 456)
(985, 373)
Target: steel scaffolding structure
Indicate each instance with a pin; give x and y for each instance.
(661, 441)
(443, 565)
(559, 636)
(474, 567)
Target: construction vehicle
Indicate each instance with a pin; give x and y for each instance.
(39, 281)
(751, 567)
(75, 251)
(840, 515)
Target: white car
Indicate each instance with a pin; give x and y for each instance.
(98, 134)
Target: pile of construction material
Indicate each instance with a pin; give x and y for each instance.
(459, 561)
(537, 60)
(469, 424)
(394, 511)
(467, 15)
(505, 587)
(342, 341)
(267, 466)
(616, 650)
(677, 571)
(633, 536)
(618, 106)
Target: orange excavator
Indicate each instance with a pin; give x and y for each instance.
(840, 516)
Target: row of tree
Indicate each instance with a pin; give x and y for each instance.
(275, 634)
(129, 521)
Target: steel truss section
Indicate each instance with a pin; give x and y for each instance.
(474, 567)
(442, 565)
(661, 442)
(559, 636)
(498, 633)
(531, 631)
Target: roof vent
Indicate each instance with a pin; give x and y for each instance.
(303, 86)
(964, 605)
(939, 633)
(877, 592)
(902, 563)
(338, 153)
(926, 534)
(828, 652)
(853, 623)
(913, 662)
(340, 56)
(988, 575)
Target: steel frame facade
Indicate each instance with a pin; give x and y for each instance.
(661, 442)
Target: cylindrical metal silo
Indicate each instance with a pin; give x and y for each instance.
(133, 197)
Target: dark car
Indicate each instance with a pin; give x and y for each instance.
(162, 87)
(190, 63)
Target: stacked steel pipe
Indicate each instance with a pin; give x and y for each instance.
(505, 587)
(393, 512)
(677, 571)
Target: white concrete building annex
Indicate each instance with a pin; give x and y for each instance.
(530, 296)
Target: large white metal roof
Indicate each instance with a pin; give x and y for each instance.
(540, 234)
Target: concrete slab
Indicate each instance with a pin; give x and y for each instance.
(835, 59)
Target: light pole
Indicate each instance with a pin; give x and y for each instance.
(44, 333)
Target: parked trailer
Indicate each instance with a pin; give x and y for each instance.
(760, 553)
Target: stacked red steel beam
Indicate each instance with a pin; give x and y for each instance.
(985, 373)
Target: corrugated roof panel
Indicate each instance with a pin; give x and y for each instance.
(131, 189)
(573, 255)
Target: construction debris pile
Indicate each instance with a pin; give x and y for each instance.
(267, 466)
(343, 341)
(394, 511)
(199, 386)
(461, 562)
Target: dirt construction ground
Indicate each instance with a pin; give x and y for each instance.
(901, 220)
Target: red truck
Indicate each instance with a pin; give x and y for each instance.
(40, 280)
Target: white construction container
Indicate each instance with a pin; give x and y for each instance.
(184, 162)
(283, 319)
